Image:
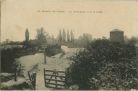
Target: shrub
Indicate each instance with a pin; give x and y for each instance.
(53, 49)
(104, 65)
(8, 58)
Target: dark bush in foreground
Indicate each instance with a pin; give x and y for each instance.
(105, 65)
(8, 58)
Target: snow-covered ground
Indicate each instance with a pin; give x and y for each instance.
(10, 80)
(36, 63)
(6, 74)
(30, 62)
(13, 83)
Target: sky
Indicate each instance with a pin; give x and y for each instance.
(96, 17)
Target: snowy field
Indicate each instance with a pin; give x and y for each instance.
(35, 63)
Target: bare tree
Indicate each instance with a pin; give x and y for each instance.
(41, 36)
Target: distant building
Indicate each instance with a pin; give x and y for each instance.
(117, 35)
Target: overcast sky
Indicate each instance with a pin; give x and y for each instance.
(17, 15)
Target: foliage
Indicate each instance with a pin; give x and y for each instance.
(41, 36)
(8, 58)
(66, 37)
(60, 37)
(26, 35)
(83, 40)
(71, 36)
(104, 65)
(53, 49)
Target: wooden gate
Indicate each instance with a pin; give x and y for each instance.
(54, 79)
(32, 78)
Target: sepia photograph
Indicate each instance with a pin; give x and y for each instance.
(69, 45)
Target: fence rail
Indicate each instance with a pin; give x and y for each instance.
(55, 75)
(57, 88)
(54, 70)
(55, 80)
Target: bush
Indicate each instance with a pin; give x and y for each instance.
(104, 65)
(53, 49)
(8, 59)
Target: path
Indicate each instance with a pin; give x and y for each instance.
(40, 85)
(52, 63)
(55, 62)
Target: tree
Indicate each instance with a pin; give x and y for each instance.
(87, 38)
(72, 36)
(64, 36)
(133, 40)
(104, 64)
(26, 35)
(60, 37)
(41, 36)
(84, 40)
(26, 38)
(68, 36)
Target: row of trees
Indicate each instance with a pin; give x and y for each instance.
(42, 37)
(68, 38)
(65, 36)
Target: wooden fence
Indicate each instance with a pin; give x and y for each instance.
(54, 79)
(32, 78)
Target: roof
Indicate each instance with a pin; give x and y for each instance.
(116, 30)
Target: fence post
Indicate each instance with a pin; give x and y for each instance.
(45, 56)
(34, 80)
(56, 78)
(15, 75)
(29, 76)
(19, 70)
(44, 77)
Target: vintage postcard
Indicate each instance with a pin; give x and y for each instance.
(69, 45)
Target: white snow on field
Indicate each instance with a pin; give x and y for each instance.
(6, 74)
(30, 62)
(14, 83)
(70, 51)
(36, 63)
